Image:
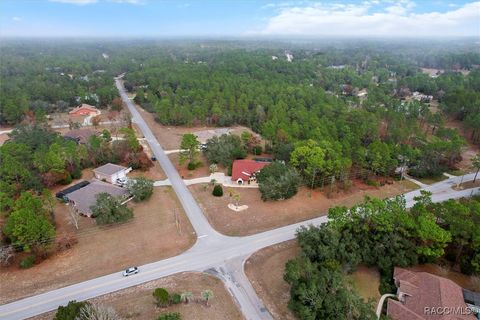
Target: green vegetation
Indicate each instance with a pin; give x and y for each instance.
(383, 234)
(170, 316)
(217, 191)
(69, 312)
(189, 150)
(109, 209)
(224, 149)
(162, 297)
(277, 181)
(140, 188)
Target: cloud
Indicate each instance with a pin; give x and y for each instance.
(129, 1)
(372, 18)
(16, 19)
(77, 2)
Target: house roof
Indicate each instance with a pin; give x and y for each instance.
(85, 107)
(81, 135)
(85, 197)
(421, 290)
(109, 169)
(243, 169)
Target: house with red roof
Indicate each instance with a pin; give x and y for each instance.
(85, 110)
(244, 171)
(424, 296)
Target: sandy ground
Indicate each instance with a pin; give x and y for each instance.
(137, 302)
(261, 216)
(99, 252)
(201, 171)
(265, 270)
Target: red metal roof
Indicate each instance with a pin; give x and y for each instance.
(243, 169)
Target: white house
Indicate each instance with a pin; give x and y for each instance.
(111, 172)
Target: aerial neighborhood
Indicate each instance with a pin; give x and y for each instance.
(239, 160)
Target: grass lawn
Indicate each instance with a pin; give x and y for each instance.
(137, 302)
(261, 215)
(432, 180)
(103, 250)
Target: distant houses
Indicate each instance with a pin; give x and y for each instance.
(244, 171)
(80, 135)
(85, 110)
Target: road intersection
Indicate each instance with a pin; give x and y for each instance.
(214, 253)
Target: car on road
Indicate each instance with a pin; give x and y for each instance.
(130, 271)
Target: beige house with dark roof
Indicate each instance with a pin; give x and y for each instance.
(111, 172)
(424, 296)
(83, 198)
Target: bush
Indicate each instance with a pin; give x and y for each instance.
(257, 150)
(162, 297)
(27, 262)
(176, 298)
(278, 181)
(372, 183)
(69, 312)
(191, 166)
(217, 191)
(66, 180)
(140, 188)
(170, 316)
(77, 173)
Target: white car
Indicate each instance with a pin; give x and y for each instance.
(122, 181)
(130, 271)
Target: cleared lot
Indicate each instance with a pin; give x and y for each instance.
(137, 302)
(159, 230)
(261, 215)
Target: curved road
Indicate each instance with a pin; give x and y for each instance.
(213, 252)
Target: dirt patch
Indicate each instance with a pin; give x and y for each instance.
(137, 302)
(202, 171)
(261, 215)
(468, 185)
(366, 282)
(103, 250)
(153, 173)
(265, 269)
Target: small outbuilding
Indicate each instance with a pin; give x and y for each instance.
(111, 173)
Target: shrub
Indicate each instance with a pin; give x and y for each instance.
(257, 150)
(162, 297)
(217, 191)
(69, 312)
(278, 181)
(27, 262)
(191, 166)
(77, 173)
(140, 188)
(176, 298)
(170, 316)
(372, 183)
(66, 180)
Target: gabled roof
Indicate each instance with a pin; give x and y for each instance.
(81, 135)
(109, 169)
(85, 107)
(85, 197)
(244, 169)
(420, 290)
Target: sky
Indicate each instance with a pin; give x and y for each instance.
(235, 18)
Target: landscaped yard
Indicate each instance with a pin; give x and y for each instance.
(201, 171)
(103, 250)
(261, 216)
(137, 302)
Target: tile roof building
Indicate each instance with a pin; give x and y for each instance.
(85, 110)
(245, 170)
(424, 296)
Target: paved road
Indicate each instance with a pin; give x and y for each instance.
(213, 252)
